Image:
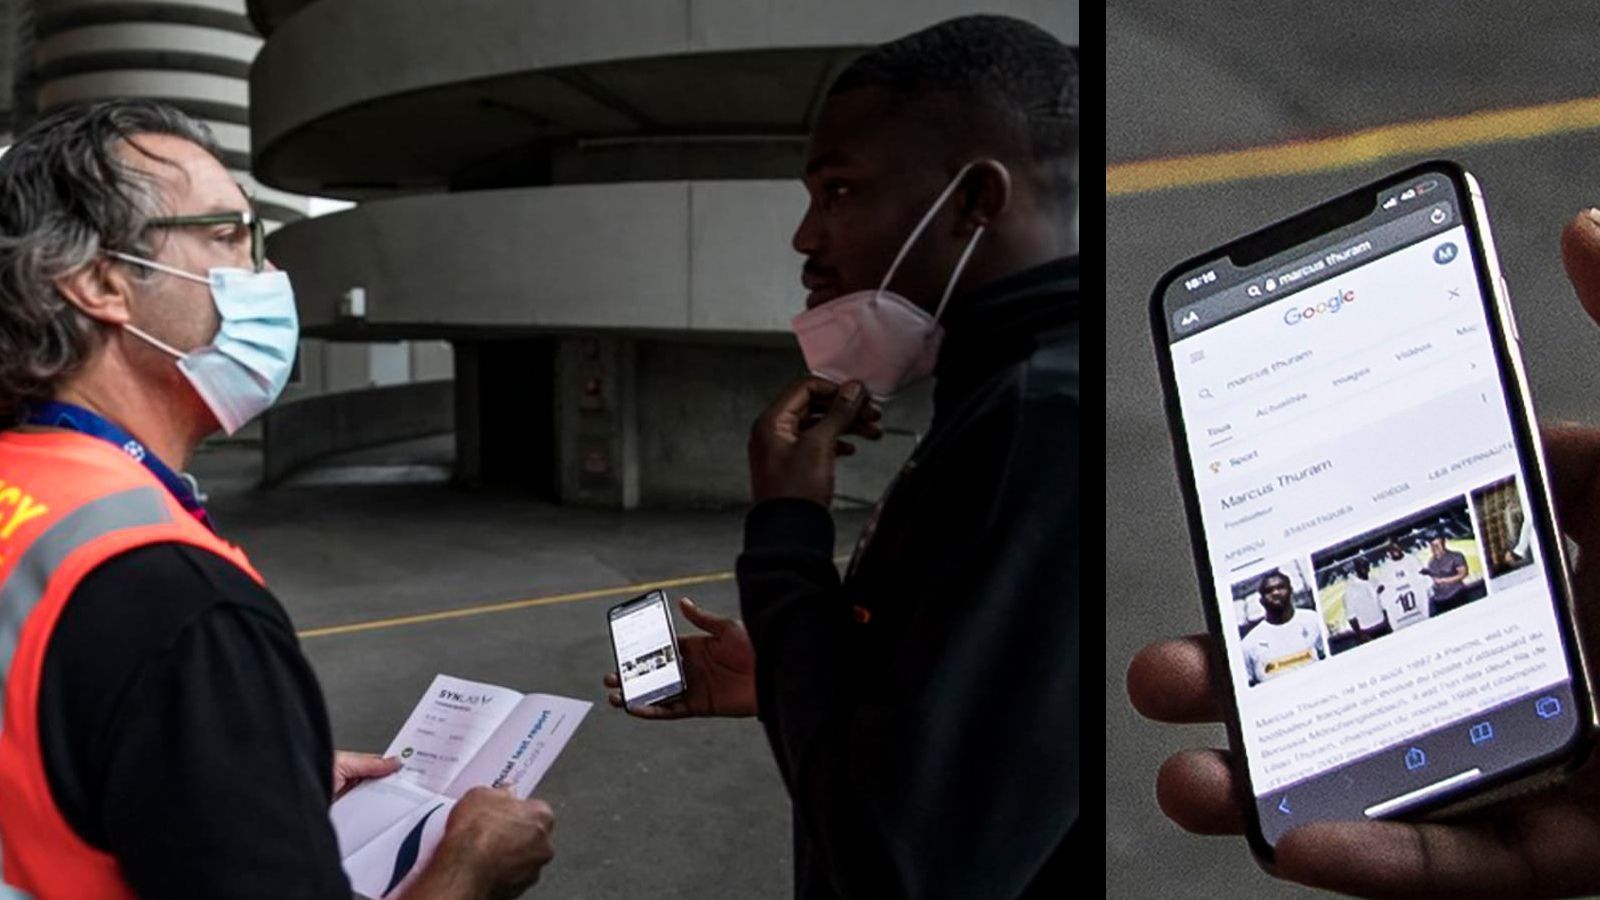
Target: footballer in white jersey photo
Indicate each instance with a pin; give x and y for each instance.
(1399, 574)
(1405, 592)
(1287, 637)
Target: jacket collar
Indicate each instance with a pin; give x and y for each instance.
(1003, 321)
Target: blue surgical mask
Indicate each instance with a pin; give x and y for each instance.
(244, 368)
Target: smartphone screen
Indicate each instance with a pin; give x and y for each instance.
(646, 650)
(1369, 516)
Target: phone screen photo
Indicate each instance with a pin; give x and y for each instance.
(646, 650)
(1370, 521)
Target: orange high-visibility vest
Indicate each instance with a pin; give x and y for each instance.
(68, 502)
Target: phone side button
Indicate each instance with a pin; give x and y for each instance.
(1511, 317)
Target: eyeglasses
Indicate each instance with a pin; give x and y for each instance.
(243, 218)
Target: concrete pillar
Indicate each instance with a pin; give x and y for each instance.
(505, 415)
(597, 407)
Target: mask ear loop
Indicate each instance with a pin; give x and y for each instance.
(148, 338)
(956, 275)
(152, 264)
(926, 218)
(155, 342)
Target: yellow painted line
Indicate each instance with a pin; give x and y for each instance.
(507, 606)
(1355, 149)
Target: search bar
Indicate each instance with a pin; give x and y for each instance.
(1301, 415)
(1312, 269)
(1351, 390)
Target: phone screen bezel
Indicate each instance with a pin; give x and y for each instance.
(1300, 231)
(629, 606)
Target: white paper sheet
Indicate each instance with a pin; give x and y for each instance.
(461, 734)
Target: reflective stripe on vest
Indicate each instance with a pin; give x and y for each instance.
(28, 581)
(93, 520)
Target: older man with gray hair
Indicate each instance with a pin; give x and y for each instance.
(162, 734)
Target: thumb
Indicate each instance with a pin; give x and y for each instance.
(843, 411)
(367, 765)
(1580, 253)
(706, 621)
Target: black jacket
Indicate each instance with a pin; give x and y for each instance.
(924, 711)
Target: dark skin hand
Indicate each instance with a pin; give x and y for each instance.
(719, 671)
(866, 423)
(793, 448)
(793, 451)
(1544, 845)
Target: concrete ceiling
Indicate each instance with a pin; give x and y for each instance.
(368, 98)
(267, 15)
(424, 140)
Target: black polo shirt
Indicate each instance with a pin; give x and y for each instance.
(183, 731)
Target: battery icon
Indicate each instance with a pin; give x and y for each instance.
(1426, 186)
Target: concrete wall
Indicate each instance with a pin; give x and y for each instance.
(698, 256)
(640, 422)
(430, 360)
(549, 173)
(299, 432)
(332, 366)
(596, 413)
(696, 403)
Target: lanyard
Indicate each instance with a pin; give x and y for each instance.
(54, 414)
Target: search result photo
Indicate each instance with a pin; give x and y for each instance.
(1399, 575)
(1507, 533)
(649, 662)
(1279, 627)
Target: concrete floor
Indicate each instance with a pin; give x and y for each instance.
(1201, 77)
(674, 809)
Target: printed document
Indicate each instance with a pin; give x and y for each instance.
(461, 735)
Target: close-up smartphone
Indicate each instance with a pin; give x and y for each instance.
(646, 650)
(1365, 490)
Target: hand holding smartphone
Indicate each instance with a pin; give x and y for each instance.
(645, 647)
(1358, 456)
(719, 671)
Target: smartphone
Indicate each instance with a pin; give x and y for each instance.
(1366, 497)
(646, 650)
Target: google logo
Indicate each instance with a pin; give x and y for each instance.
(1333, 304)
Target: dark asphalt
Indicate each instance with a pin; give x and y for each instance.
(691, 809)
